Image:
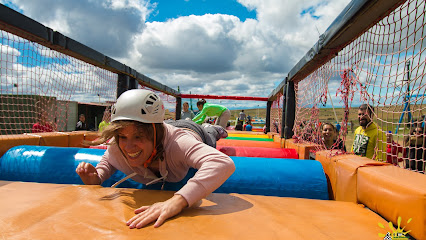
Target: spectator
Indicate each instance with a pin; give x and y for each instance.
(368, 136)
(81, 124)
(392, 150)
(338, 127)
(276, 126)
(249, 118)
(414, 153)
(106, 119)
(248, 126)
(42, 125)
(329, 137)
(239, 126)
(151, 151)
(242, 116)
(186, 113)
(206, 109)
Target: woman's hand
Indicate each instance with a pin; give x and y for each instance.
(158, 211)
(88, 174)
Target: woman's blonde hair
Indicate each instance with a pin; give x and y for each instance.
(146, 129)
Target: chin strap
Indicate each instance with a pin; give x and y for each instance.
(147, 162)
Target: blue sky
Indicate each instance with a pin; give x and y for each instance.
(167, 9)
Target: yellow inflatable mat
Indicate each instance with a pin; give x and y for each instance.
(55, 211)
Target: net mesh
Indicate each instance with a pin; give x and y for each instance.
(40, 89)
(384, 68)
(276, 114)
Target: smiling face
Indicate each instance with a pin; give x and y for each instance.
(363, 117)
(185, 107)
(328, 132)
(136, 147)
(200, 107)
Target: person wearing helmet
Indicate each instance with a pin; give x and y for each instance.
(207, 109)
(150, 151)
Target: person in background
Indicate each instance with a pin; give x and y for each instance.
(151, 151)
(242, 117)
(329, 137)
(81, 124)
(249, 127)
(106, 120)
(368, 136)
(414, 153)
(244, 126)
(186, 113)
(338, 127)
(239, 126)
(42, 125)
(276, 126)
(207, 109)
(392, 150)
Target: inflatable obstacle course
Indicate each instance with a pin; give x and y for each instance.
(248, 135)
(257, 176)
(251, 139)
(259, 152)
(56, 211)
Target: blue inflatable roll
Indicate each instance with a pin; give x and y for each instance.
(280, 177)
(257, 176)
(45, 164)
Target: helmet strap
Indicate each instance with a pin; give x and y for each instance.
(147, 162)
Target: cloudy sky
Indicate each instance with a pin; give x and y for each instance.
(226, 47)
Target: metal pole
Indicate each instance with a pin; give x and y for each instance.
(178, 107)
(268, 116)
(283, 111)
(122, 84)
(290, 110)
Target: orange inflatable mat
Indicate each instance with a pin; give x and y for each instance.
(55, 211)
(394, 192)
(9, 141)
(301, 148)
(341, 172)
(57, 139)
(75, 139)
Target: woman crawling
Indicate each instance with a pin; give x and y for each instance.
(149, 151)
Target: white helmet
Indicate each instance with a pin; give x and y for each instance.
(138, 105)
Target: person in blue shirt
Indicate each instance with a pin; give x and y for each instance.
(338, 127)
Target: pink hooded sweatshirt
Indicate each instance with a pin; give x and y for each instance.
(182, 151)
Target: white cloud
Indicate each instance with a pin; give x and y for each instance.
(208, 54)
(106, 26)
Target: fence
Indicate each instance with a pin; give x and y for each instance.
(47, 79)
(382, 66)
